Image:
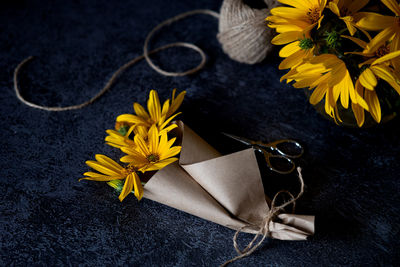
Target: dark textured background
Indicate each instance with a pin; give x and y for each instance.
(49, 218)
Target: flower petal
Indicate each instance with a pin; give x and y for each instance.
(131, 119)
(360, 94)
(140, 111)
(289, 49)
(128, 186)
(165, 108)
(395, 46)
(94, 176)
(295, 59)
(380, 39)
(153, 139)
(168, 121)
(318, 93)
(392, 5)
(289, 12)
(387, 57)
(138, 186)
(153, 106)
(358, 112)
(286, 37)
(359, 42)
(334, 8)
(168, 128)
(367, 79)
(176, 102)
(107, 162)
(159, 165)
(141, 145)
(374, 107)
(374, 22)
(170, 152)
(103, 169)
(386, 74)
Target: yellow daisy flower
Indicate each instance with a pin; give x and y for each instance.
(367, 82)
(390, 26)
(380, 62)
(372, 55)
(156, 115)
(298, 17)
(154, 155)
(330, 78)
(345, 9)
(109, 170)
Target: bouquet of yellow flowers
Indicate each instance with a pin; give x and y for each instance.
(342, 49)
(225, 189)
(144, 139)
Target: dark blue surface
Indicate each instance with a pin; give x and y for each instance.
(49, 218)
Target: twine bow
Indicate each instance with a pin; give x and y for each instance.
(264, 230)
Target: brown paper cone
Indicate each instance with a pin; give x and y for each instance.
(234, 181)
(173, 187)
(223, 189)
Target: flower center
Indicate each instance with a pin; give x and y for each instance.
(128, 170)
(397, 19)
(122, 127)
(383, 50)
(313, 14)
(153, 158)
(306, 44)
(332, 39)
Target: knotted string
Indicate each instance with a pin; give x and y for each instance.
(264, 229)
(146, 56)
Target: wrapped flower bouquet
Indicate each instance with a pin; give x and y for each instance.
(169, 163)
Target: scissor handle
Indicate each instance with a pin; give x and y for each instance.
(278, 146)
(290, 166)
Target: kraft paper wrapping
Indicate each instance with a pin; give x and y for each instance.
(227, 190)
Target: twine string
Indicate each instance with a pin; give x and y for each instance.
(264, 230)
(120, 70)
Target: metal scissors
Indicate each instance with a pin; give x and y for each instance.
(278, 154)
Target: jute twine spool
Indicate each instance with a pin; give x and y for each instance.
(243, 32)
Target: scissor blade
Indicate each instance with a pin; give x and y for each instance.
(240, 139)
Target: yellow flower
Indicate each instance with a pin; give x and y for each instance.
(298, 17)
(367, 82)
(154, 155)
(390, 26)
(372, 55)
(156, 115)
(110, 170)
(345, 9)
(294, 25)
(330, 78)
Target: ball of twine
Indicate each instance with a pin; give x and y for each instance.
(243, 32)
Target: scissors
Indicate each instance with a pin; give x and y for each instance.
(280, 152)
